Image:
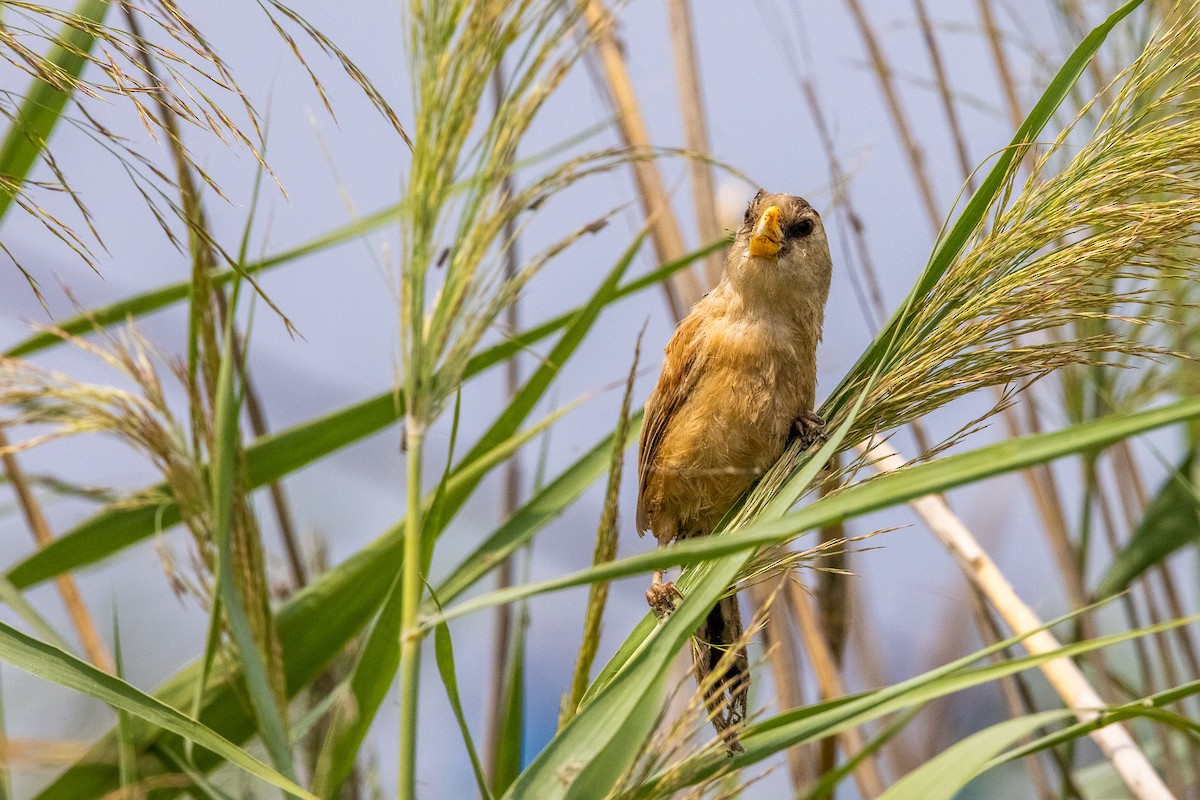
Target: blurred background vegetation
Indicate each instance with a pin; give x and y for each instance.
(325, 336)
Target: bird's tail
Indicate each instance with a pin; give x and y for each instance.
(723, 669)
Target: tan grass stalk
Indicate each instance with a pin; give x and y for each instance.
(1003, 72)
(684, 288)
(945, 94)
(81, 619)
(695, 132)
(884, 74)
(786, 672)
(1064, 676)
(1004, 76)
(510, 494)
(825, 666)
(833, 600)
(279, 502)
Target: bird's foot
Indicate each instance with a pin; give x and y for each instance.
(809, 428)
(662, 598)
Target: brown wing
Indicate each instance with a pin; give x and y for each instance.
(678, 378)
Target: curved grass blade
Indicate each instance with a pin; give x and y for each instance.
(273, 457)
(52, 664)
(509, 744)
(126, 757)
(1145, 707)
(312, 626)
(827, 785)
(5, 776)
(1171, 521)
(200, 783)
(147, 302)
(444, 652)
(373, 674)
(944, 775)
(11, 596)
(544, 506)
(39, 113)
(212, 641)
(272, 723)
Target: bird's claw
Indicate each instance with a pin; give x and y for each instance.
(662, 597)
(810, 428)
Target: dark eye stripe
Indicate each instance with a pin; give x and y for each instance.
(800, 228)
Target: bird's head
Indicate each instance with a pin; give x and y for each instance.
(780, 252)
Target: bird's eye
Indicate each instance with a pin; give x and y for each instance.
(800, 228)
(746, 219)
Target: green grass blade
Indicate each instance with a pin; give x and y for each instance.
(827, 785)
(509, 744)
(200, 783)
(212, 642)
(522, 403)
(545, 505)
(126, 757)
(5, 776)
(274, 456)
(943, 776)
(374, 671)
(11, 596)
(272, 725)
(313, 625)
(882, 492)
(309, 719)
(469, 473)
(164, 296)
(1146, 706)
(44, 103)
(56, 666)
(1171, 521)
(444, 652)
(604, 550)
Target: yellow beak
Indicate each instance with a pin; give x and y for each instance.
(767, 237)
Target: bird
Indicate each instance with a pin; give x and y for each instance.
(738, 383)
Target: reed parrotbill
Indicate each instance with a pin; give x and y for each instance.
(738, 382)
